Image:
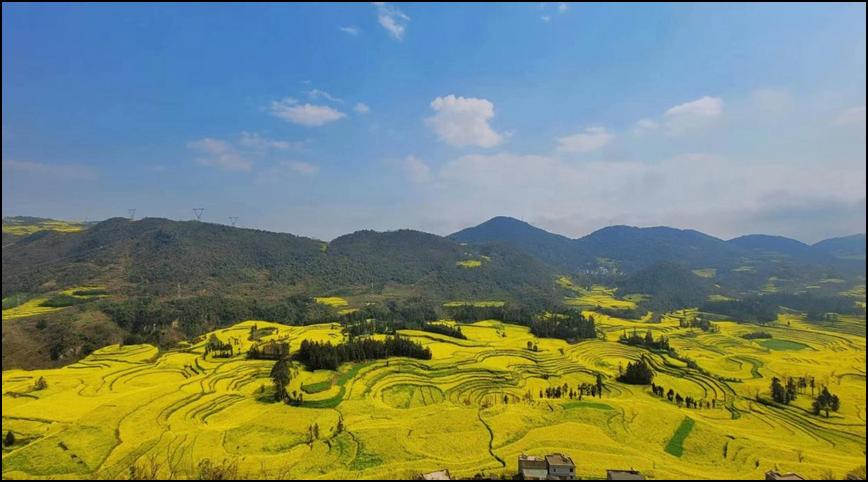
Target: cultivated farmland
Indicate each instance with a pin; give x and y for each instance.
(473, 408)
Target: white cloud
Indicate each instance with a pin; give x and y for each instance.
(715, 194)
(72, 172)
(321, 94)
(591, 139)
(362, 108)
(545, 18)
(852, 116)
(220, 154)
(689, 115)
(256, 141)
(645, 125)
(350, 29)
(416, 169)
(562, 7)
(290, 110)
(392, 19)
(463, 121)
(300, 167)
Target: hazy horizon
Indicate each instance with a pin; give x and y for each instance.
(320, 120)
(241, 226)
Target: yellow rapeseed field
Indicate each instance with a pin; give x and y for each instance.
(473, 408)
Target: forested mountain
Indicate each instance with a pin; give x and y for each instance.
(847, 247)
(162, 257)
(168, 280)
(551, 248)
(667, 286)
(781, 247)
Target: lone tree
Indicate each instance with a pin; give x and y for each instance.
(9, 440)
(281, 377)
(600, 385)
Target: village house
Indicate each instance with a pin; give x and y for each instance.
(437, 475)
(560, 467)
(550, 467)
(532, 468)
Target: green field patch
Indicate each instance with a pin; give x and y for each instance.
(676, 443)
(317, 387)
(782, 345)
(583, 404)
(705, 272)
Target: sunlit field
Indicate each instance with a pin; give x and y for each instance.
(22, 307)
(16, 227)
(473, 408)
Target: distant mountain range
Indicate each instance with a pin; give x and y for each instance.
(500, 258)
(634, 248)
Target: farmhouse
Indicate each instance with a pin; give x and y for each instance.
(551, 467)
(437, 475)
(560, 467)
(775, 475)
(624, 475)
(532, 468)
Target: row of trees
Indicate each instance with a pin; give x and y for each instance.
(698, 322)
(217, 348)
(565, 391)
(454, 332)
(687, 401)
(785, 393)
(323, 355)
(648, 341)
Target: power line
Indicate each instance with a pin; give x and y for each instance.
(198, 212)
(132, 213)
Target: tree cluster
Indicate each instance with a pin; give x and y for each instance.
(323, 355)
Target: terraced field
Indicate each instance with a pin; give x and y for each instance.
(473, 408)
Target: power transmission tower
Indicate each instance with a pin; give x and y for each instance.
(198, 212)
(132, 214)
(233, 220)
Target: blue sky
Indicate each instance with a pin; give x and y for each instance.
(324, 119)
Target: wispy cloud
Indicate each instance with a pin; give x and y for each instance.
(362, 108)
(72, 172)
(547, 7)
(321, 94)
(392, 19)
(684, 117)
(300, 167)
(256, 141)
(311, 115)
(220, 154)
(464, 121)
(590, 139)
(350, 30)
